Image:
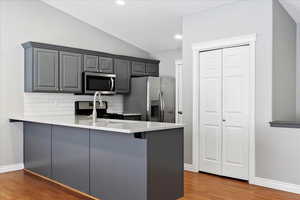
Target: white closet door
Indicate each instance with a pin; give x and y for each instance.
(235, 152)
(210, 111)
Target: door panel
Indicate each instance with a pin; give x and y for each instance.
(70, 72)
(45, 70)
(235, 112)
(152, 69)
(138, 69)
(91, 63)
(106, 65)
(122, 71)
(210, 111)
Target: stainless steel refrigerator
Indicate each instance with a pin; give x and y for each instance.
(153, 97)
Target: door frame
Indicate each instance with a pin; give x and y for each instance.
(177, 64)
(218, 44)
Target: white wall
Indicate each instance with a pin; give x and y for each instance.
(33, 20)
(284, 64)
(167, 61)
(277, 149)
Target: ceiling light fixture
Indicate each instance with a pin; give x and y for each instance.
(120, 2)
(178, 37)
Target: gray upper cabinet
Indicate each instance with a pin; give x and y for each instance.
(106, 65)
(138, 69)
(58, 69)
(152, 69)
(45, 70)
(91, 63)
(122, 71)
(70, 72)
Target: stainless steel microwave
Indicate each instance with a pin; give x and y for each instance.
(93, 81)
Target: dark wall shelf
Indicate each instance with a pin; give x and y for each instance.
(285, 124)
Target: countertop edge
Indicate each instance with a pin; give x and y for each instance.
(126, 131)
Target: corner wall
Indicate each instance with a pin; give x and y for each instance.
(167, 61)
(33, 20)
(284, 64)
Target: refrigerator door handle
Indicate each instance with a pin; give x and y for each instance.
(162, 107)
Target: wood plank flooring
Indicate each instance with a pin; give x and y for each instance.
(21, 186)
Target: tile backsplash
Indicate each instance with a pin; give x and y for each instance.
(63, 104)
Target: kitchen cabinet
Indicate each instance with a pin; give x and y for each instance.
(106, 65)
(152, 69)
(70, 72)
(58, 69)
(37, 148)
(70, 157)
(138, 69)
(122, 71)
(101, 64)
(100, 162)
(91, 63)
(43, 68)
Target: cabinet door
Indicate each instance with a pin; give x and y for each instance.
(122, 71)
(37, 148)
(91, 63)
(106, 65)
(45, 66)
(152, 69)
(138, 69)
(70, 157)
(70, 72)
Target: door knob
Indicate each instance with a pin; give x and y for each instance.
(223, 120)
(180, 112)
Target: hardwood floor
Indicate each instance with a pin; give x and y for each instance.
(22, 186)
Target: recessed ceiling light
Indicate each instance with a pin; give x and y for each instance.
(178, 37)
(120, 2)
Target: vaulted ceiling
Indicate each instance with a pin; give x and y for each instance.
(147, 24)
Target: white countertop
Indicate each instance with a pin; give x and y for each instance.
(122, 126)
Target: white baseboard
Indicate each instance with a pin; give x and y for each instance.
(189, 167)
(10, 168)
(278, 185)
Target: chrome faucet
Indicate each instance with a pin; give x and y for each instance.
(97, 94)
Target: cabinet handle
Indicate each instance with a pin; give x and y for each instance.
(223, 120)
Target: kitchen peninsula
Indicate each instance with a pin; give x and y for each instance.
(109, 159)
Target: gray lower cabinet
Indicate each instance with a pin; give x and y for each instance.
(37, 148)
(138, 69)
(122, 71)
(44, 71)
(70, 72)
(91, 63)
(106, 65)
(108, 165)
(152, 69)
(70, 157)
(118, 166)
